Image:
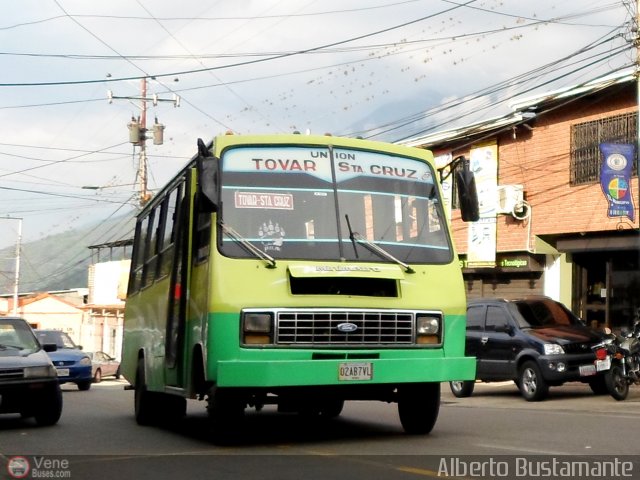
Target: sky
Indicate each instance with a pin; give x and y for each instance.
(382, 69)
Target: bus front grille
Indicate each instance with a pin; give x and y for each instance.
(344, 327)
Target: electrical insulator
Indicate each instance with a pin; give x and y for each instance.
(158, 134)
(134, 131)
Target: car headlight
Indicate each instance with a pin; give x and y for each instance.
(85, 361)
(428, 329)
(553, 349)
(40, 372)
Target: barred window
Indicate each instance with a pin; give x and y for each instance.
(585, 144)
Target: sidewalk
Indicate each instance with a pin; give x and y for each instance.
(573, 396)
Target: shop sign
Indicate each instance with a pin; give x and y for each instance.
(509, 263)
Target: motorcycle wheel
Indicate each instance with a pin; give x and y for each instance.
(616, 383)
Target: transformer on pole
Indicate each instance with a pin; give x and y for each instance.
(138, 134)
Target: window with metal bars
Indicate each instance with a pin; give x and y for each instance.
(586, 138)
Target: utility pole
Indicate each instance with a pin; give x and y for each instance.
(138, 134)
(16, 282)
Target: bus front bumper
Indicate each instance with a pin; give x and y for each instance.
(291, 373)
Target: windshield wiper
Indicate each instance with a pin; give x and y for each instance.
(373, 248)
(248, 246)
(4, 346)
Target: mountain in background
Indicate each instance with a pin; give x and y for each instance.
(61, 261)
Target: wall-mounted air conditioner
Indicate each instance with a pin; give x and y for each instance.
(510, 199)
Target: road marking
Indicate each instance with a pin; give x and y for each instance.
(528, 451)
(422, 471)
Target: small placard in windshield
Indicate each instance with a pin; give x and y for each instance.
(264, 200)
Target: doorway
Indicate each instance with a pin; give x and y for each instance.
(606, 290)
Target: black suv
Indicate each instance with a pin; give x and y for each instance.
(536, 342)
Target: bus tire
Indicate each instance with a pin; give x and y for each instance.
(144, 405)
(418, 407)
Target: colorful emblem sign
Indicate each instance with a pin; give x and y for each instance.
(615, 178)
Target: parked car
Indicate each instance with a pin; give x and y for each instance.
(103, 365)
(536, 342)
(28, 380)
(73, 365)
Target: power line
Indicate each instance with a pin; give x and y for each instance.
(208, 19)
(51, 194)
(221, 67)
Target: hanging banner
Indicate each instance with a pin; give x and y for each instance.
(615, 178)
(482, 237)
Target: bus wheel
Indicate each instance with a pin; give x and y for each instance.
(145, 411)
(418, 407)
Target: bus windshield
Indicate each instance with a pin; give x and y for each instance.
(313, 202)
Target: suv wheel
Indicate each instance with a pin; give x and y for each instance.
(462, 389)
(532, 386)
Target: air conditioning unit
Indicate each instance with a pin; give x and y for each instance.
(510, 199)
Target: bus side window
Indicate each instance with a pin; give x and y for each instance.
(149, 270)
(135, 282)
(168, 231)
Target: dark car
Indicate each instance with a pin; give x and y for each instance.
(73, 365)
(103, 365)
(536, 342)
(28, 380)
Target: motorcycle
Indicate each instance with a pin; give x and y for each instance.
(619, 357)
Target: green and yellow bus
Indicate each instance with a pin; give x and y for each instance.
(299, 271)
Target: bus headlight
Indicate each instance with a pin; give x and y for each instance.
(257, 328)
(428, 329)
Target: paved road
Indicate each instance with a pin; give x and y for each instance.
(366, 442)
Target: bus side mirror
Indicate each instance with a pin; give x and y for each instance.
(467, 193)
(207, 167)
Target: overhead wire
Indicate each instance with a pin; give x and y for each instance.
(237, 64)
(311, 52)
(490, 90)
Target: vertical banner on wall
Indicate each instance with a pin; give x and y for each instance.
(482, 234)
(447, 185)
(615, 178)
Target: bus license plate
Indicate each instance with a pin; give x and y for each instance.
(355, 371)
(63, 372)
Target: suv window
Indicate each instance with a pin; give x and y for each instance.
(475, 318)
(496, 317)
(543, 314)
